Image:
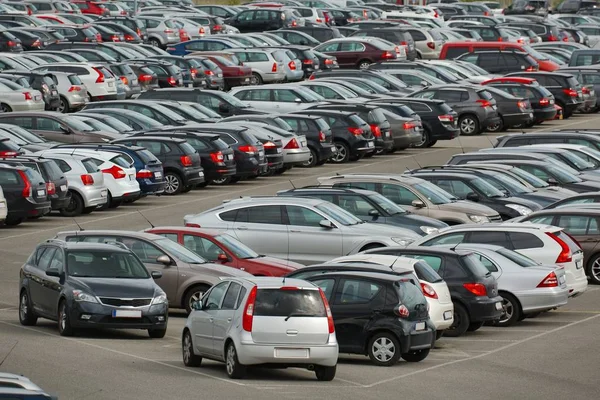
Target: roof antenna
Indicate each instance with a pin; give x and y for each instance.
(415, 160)
(79, 226)
(147, 220)
(456, 245)
(292, 183)
(9, 352)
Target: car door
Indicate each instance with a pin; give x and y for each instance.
(360, 207)
(206, 248)
(203, 320)
(36, 274)
(455, 98)
(223, 318)
(50, 129)
(286, 100)
(405, 197)
(52, 287)
(347, 54)
(262, 228)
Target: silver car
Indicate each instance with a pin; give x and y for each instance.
(13, 97)
(281, 98)
(72, 91)
(303, 230)
(257, 321)
(265, 68)
(161, 32)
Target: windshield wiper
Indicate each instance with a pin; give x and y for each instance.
(299, 315)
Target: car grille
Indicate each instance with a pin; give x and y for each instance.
(116, 302)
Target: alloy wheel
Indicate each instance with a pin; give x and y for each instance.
(62, 318)
(595, 270)
(195, 297)
(383, 349)
(340, 155)
(467, 126)
(187, 348)
(23, 307)
(508, 310)
(230, 359)
(172, 184)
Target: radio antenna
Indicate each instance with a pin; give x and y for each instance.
(79, 226)
(147, 220)
(292, 183)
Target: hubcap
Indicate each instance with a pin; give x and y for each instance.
(508, 310)
(341, 153)
(187, 348)
(63, 318)
(230, 359)
(364, 65)
(62, 106)
(467, 125)
(595, 270)
(219, 181)
(172, 184)
(383, 349)
(310, 160)
(494, 128)
(196, 296)
(23, 308)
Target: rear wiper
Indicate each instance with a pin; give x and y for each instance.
(299, 315)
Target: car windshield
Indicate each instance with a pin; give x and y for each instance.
(513, 185)
(434, 194)
(338, 214)
(117, 125)
(579, 162)
(345, 92)
(529, 178)
(179, 251)
(389, 206)
(232, 100)
(75, 123)
(95, 124)
(236, 247)
(534, 53)
(168, 113)
(104, 264)
(563, 176)
(517, 258)
(24, 134)
(488, 190)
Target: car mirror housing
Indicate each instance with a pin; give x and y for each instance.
(325, 223)
(164, 259)
(472, 197)
(417, 203)
(156, 274)
(373, 213)
(222, 257)
(53, 272)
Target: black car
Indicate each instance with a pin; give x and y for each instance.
(352, 135)
(152, 109)
(318, 135)
(25, 193)
(135, 120)
(132, 23)
(222, 103)
(578, 138)
(520, 7)
(296, 37)
(263, 19)
(450, 10)
(46, 36)
(501, 62)
(320, 33)
(548, 31)
(342, 16)
(273, 147)
(74, 33)
(56, 182)
(513, 111)
(168, 74)
(91, 285)
(396, 36)
(29, 40)
(42, 81)
(108, 34)
(579, 200)
(9, 43)
(589, 78)
(181, 162)
(541, 100)
(193, 72)
(406, 125)
(213, 74)
(370, 207)
(128, 35)
(573, 6)
(425, 67)
(147, 78)
(473, 289)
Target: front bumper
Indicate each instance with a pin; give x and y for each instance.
(100, 316)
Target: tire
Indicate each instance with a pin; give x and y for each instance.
(187, 348)
(4, 108)
(461, 322)
(157, 333)
(468, 125)
(11, 221)
(88, 210)
(363, 64)
(155, 43)
(114, 203)
(432, 143)
(593, 269)
(235, 179)
(64, 106)
(202, 185)
(194, 293)
(473, 326)
(343, 153)
(512, 310)
(64, 321)
(174, 184)
(425, 139)
(384, 349)
(312, 161)
(416, 356)
(325, 374)
(256, 79)
(222, 181)
(234, 368)
(438, 335)
(187, 189)
(27, 316)
(499, 127)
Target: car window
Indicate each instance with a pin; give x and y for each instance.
(487, 263)
(285, 95)
(230, 299)
(434, 262)
(452, 96)
(302, 216)
(522, 240)
(326, 286)
(282, 303)
(45, 259)
(489, 237)
(398, 194)
(260, 215)
(579, 224)
(201, 246)
(355, 204)
(455, 187)
(215, 296)
(354, 291)
(541, 219)
(450, 238)
(47, 124)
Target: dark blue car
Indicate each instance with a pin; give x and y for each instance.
(206, 44)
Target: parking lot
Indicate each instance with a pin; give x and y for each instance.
(555, 350)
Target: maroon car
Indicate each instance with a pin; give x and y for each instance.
(235, 75)
(218, 247)
(353, 52)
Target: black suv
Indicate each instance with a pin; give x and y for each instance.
(514, 111)
(501, 62)
(45, 83)
(181, 162)
(91, 285)
(321, 33)
(519, 7)
(318, 135)
(579, 138)
(262, 19)
(132, 23)
(473, 289)
(541, 100)
(25, 193)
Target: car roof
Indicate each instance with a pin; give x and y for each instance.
(273, 199)
(386, 177)
(382, 276)
(268, 282)
(322, 189)
(19, 380)
(594, 210)
(421, 249)
(500, 226)
(113, 232)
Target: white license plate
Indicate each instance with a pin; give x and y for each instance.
(63, 188)
(279, 149)
(420, 326)
(530, 115)
(261, 153)
(201, 173)
(561, 280)
(54, 93)
(247, 80)
(103, 193)
(158, 174)
(230, 156)
(370, 144)
(190, 85)
(127, 313)
(41, 192)
(578, 264)
(499, 306)
(447, 315)
(2, 205)
(291, 353)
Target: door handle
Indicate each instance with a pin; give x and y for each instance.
(293, 230)
(242, 228)
(228, 319)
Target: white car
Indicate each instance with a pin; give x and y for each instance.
(119, 174)
(100, 82)
(3, 206)
(265, 68)
(281, 98)
(435, 289)
(543, 243)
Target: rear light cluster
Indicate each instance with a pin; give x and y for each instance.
(172, 81)
(322, 137)
(186, 161)
(292, 144)
(544, 102)
(183, 36)
(28, 96)
(248, 316)
(431, 45)
(115, 171)
(329, 61)
(75, 89)
(217, 28)
(37, 43)
(248, 149)
(428, 291)
(552, 38)
(531, 68)
(565, 254)
(129, 38)
(484, 103)
(201, 31)
(87, 180)
(27, 190)
(145, 78)
(100, 78)
(8, 153)
(217, 157)
(355, 131)
(269, 145)
(549, 281)
(144, 174)
(409, 125)
(274, 68)
(307, 62)
(50, 188)
(570, 92)
(292, 65)
(193, 72)
(402, 311)
(115, 38)
(330, 323)
(523, 105)
(124, 80)
(478, 289)
(446, 118)
(585, 90)
(388, 55)
(375, 130)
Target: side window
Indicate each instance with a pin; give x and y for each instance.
(330, 47)
(228, 215)
(457, 188)
(147, 252)
(264, 215)
(417, 36)
(45, 259)
(489, 264)
(240, 297)
(535, 171)
(64, 167)
(542, 219)
(357, 185)
(452, 96)
(355, 204)
(47, 124)
(284, 95)
(171, 236)
(434, 262)
(57, 262)
(201, 246)
(398, 194)
(301, 216)
(326, 286)
(522, 240)
(215, 296)
(258, 95)
(230, 300)
(578, 224)
(428, 94)
(489, 237)
(451, 238)
(354, 291)
(8, 177)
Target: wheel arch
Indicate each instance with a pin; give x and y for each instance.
(374, 332)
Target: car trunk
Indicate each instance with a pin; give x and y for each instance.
(480, 274)
(411, 296)
(151, 164)
(228, 154)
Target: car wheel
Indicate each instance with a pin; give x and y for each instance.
(187, 347)
(416, 356)
(473, 326)
(425, 139)
(174, 183)
(5, 108)
(27, 316)
(312, 160)
(88, 210)
(114, 203)
(460, 324)
(438, 335)
(255, 79)
(235, 370)
(75, 206)
(187, 188)
(154, 43)
(63, 106)
(222, 181)
(64, 320)
(499, 127)
(468, 125)
(431, 143)
(193, 295)
(512, 310)
(343, 153)
(593, 269)
(384, 349)
(363, 64)
(157, 333)
(325, 373)
(12, 221)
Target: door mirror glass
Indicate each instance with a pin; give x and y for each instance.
(373, 213)
(223, 257)
(325, 223)
(156, 274)
(424, 83)
(224, 108)
(417, 204)
(552, 181)
(164, 259)
(472, 196)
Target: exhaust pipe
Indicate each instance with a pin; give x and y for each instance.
(310, 367)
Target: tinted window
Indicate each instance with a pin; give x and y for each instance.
(524, 240)
(303, 216)
(282, 303)
(261, 215)
(356, 291)
(488, 237)
(45, 258)
(230, 300)
(451, 238)
(474, 265)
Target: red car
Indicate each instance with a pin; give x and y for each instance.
(359, 53)
(91, 7)
(234, 75)
(221, 248)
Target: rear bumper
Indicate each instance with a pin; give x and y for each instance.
(441, 314)
(193, 176)
(576, 280)
(441, 131)
(542, 299)
(94, 196)
(60, 202)
(418, 340)
(219, 172)
(544, 114)
(296, 157)
(237, 81)
(485, 309)
(250, 353)
(517, 119)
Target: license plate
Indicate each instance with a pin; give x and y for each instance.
(578, 264)
(247, 80)
(41, 192)
(420, 326)
(261, 153)
(279, 149)
(190, 85)
(2, 205)
(530, 115)
(201, 173)
(291, 353)
(561, 280)
(447, 315)
(54, 93)
(63, 188)
(127, 313)
(370, 144)
(230, 156)
(388, 134)
(499, 306)
(158, 174)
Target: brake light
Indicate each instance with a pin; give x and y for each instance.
(544, 102)
(477, 289)
(530, 69)
(520, 41)
(402, 311)
(11, 43)
(294, 23)
(201, 31)
(193, 72)
(274, 67)
(319, 20)
(123, 12)
(28, 96)
(115, 171)
(484, 103)
(446, 118)
(585, 90)
(172, 81)
(552, 38)
(186, 161)
(115, 38)
(408, 125)
(27, 189)
(248, 315)
(322, 137)
(403, 44)
(100, 78)
(129, 38)
(168, 30)
(355, 131)
(75, 89)
(269, 145)
(144, 174)
(428, 291)
(307, 61)
(522, 105)
(183, 36)
(330, 323)
(216, 28)
(431, 45)
(328, 61)
(293, 144)
(87, 180)
(549, 281)
(217, 157)
(138, 31)
(98, 37)
(375, 130)
(50, 188)
(124, 80)
(570, 92)
(485, 13)
(145, 78)
(5, 153)
(248, 149)
(388, 55)
(292, 65)
(208, 72)
(565, 254)
(190, 225)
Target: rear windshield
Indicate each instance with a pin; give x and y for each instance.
(572, 82)
(357, 120)
(445, 108)
(88, 32)
(283, 303)
(473, 264)
(121, 161)
(426, 273)
(410, 294)
(377, 116)
(74, 80)
(89, 166)
(187, 148)
(220, 144)
(435, 35)
(517, 258)
(484, 94)
(52, 170)
(146, 156)
(324, 126)
(48, 80)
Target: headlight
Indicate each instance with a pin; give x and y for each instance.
(429, 229)
(402, 241)
(160, 299)
(520, 209)
(79, 295)
(479, 219)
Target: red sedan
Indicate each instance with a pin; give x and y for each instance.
(234, 75)
(221, 248)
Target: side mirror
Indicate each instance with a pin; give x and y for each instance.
(53, 272)
(222, 257)
(65, 130)
(297, 100)
(424, 83)
(373, 213)
(164, 259)
(552, 181)
(224, 108)
(417, 204)
(156, 274)
(325, 223)
(473, 197)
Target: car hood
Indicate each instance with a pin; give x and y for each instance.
(518, 200)
(249, 111)
(274, 262)
(468, 207)
(218, 270)
(382, 230)
(110, 287)
(426, 221)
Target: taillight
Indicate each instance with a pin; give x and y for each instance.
(585, 90)
(201, 31)
(431, 45)
(446, 118)
(355, 131)
(100, 78)
(322, 137)
(50, 188)
(186, 161)
(478, 289)
(183, 36)
(292, 144)
(544, 102)
(330, 323)
(216, 28)
(115, 171)
(292, 65)
(531, 69)
(484, 103)
(375, 130)
(168, 30)
(129, 38)
(11, 43)
(408, 125)
(124, 80)
(570, 92)
(388, 55)
(75, 89)
(115, 38)
(190, 225)
(217, 157)
(565, 254)
(328, 61)
(208, 72)
(294, 23)
(274, 67)
(403, 43)
(248, 149)
(549, 281)
(248, 315)
(269, 145)
(523, 105)
(193, 72)
(28, 96)
(138, 31)
(145, 78)
(307, 61)
(552, 38)
(428, 291)
(144, 174)
(27, 189)
(123, 12)
(172, 81)
(87, 180)
(402, 311)
(5, 153)
(485, 13)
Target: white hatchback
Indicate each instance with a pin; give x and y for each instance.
(99, 81)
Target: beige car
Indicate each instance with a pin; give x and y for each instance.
(418, 196)
(185, 275)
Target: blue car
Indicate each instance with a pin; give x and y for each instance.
(206, 44)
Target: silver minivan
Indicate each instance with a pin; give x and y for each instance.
(262, 320)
